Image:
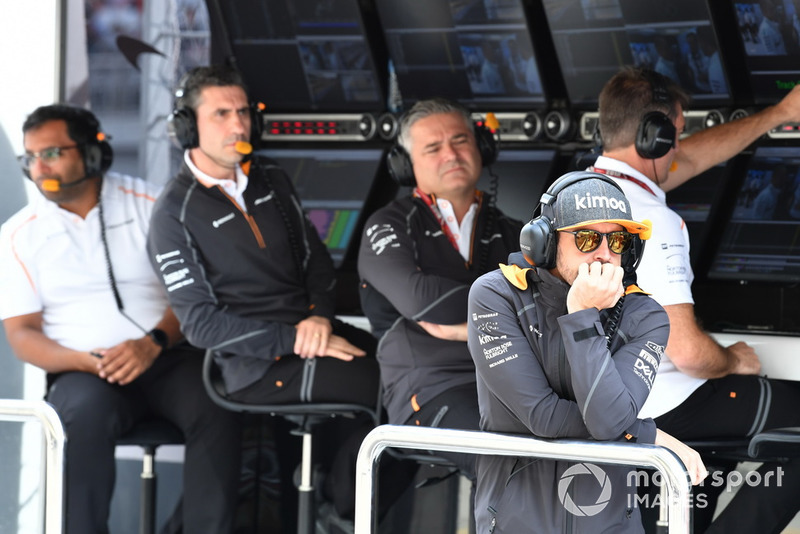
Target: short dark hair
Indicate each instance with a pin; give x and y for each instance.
(426, 108)
(82, 126)
(193, 82)
(627, 97)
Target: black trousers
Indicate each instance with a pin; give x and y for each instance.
(455, 408)
(336, 381)
(95, 413)
(738, 406)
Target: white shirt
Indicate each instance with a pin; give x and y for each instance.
(664, 272)
(52, 261)
(234, 188)
(461, 232)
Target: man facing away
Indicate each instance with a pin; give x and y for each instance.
(702, 390)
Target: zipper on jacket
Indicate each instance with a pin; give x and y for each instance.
(247, 217)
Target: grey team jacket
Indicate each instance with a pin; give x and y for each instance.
(235, 280)
(410, 272)
(547, 373)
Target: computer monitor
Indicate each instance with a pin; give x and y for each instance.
(769, 32)
(333, 186)
(761, 240)
(593, 40)
(478, 53)
(304, 56)
(522, 176)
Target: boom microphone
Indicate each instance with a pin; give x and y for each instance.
(54, 185)
(243, 147)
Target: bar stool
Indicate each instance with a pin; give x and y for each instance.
(149, 434)
(305, 416)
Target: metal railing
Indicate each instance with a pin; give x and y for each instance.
(675, 478)
(54, 441)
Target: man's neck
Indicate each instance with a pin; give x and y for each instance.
(82, 205)
(629, 156)
(210, 167)
(461, 203)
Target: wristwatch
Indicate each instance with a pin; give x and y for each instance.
(159, 337)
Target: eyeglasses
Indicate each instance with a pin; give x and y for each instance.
(48, 155)
(588, 240)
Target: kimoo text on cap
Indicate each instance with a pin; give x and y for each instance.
(593, 201)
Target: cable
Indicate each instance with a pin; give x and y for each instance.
(612, 323)
(491, 216)
(111, 278)
(294, 242)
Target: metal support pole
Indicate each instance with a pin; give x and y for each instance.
(54, 441)
(675, 478)
(306, 512)
(147, 521)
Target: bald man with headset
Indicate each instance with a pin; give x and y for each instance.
(702, 390)
(79, 299)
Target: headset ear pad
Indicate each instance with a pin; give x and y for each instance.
(400, 168)
(182, 128)
(487, 146)
(97, 158)
(656, 135)
(537, 243)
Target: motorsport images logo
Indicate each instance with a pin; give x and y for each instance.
(584, 510)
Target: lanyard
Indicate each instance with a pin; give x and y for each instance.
(623, 176)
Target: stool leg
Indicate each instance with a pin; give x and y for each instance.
(305, 491)
(147, 519)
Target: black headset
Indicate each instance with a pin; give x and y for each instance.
(96, 152)
(402, 171)
(182, 122)
(537, 239)
(656, 134)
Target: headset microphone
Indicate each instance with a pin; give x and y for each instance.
(243, 147)
(54, 185)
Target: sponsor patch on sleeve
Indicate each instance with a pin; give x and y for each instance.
(646, 364)
(173, 272)
(380, 237)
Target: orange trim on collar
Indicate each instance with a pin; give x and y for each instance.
(633, 288)
(516, 275)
